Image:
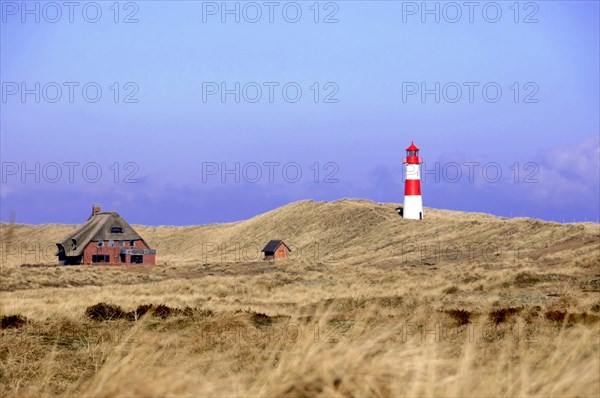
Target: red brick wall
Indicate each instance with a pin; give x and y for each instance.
(149, 259)
(282, 251)
(92, 249)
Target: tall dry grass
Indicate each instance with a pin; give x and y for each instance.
(332, 353)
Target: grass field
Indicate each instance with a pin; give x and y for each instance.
(369, 304)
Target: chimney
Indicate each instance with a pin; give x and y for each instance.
(96, 209)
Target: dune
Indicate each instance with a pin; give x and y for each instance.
(354, 231)
(369, 304)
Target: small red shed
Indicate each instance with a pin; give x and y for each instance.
(276, 249)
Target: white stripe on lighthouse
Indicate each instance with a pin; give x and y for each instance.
(413, 207)
(413, 172)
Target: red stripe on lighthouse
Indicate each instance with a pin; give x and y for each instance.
(412, 188)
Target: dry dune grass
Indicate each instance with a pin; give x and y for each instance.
(370, 304)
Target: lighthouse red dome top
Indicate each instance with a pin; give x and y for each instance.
(412, 155)
(412, 147)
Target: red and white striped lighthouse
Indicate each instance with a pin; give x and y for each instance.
(413, 204)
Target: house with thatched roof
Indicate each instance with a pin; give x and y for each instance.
(276, 249)
(105, 239)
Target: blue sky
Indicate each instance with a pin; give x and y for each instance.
(357, 67)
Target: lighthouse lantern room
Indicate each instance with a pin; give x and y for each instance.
(413, 203)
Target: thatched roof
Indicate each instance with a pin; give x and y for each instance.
(273, 245)
(100, 226)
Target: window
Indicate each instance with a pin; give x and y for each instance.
(100, 258)
(122, 243)
(111, 243)
(100, 243)
(137, 259)
(116, 230)
(132, 243)
(123, 258)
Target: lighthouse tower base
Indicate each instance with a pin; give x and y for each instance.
(413, 207)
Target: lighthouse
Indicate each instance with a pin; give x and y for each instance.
(413, 204)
